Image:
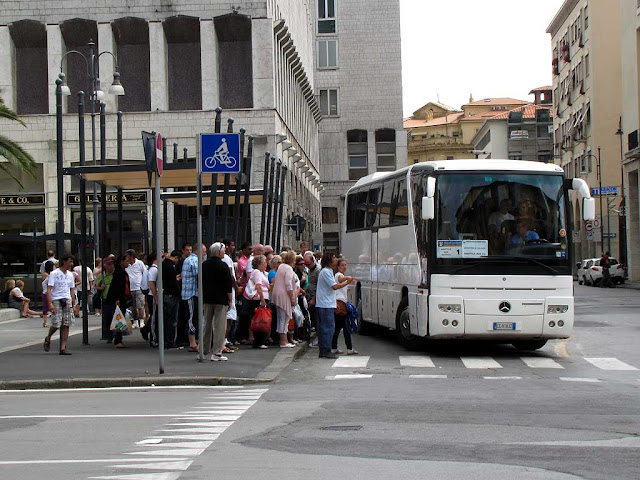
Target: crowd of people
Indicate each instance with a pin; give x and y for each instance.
(304, 291)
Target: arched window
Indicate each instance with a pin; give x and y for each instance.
(132, 43)
(235, 67)
(185, 68)
(30, 42)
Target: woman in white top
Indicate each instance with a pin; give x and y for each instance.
(18, 301)
(341, 297)
(257, 293)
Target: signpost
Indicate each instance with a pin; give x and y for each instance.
(606, 191)
(215, 153)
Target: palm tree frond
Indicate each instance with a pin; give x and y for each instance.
(16, 155)
(6, 112)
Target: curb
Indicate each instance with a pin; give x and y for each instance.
(282, 360)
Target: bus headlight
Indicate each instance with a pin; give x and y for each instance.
(445, 322)
(560, 323)
(557, 308)
(450, 307)
(454, 323)
(552, 324)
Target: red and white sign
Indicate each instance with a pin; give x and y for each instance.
(159, 161)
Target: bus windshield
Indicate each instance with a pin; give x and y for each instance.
(500, 216)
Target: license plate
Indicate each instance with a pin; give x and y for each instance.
(504, 325)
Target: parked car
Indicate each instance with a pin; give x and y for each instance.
(583, 267)
(593, 275)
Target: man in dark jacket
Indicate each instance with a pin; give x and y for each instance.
(171, 298)
(118, 293)
(217, 299)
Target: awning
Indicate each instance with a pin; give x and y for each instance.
(189, 199)
(135, 176)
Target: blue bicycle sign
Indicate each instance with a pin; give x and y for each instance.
(219, 152)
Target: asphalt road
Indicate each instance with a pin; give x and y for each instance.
(458, 411)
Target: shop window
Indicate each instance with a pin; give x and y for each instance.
(32, 90)
(235, 66)
(132, 44)
(183, 60)
(357, 151)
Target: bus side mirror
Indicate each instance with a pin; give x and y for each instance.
(428, 208)
(588, 209)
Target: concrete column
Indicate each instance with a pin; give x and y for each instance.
(209, 62)
(158, 67)
(106, 43)
(55, 50)
(8, 72)
(371, 151)
(262, 63)
(401, 149)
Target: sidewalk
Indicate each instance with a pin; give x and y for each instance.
(630, 285)
(24, 363)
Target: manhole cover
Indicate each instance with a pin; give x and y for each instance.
(342, 428)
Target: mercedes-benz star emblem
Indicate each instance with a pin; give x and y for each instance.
(504, 307)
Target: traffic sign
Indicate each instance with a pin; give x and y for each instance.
(159, 160)
(606, 191)
(219, 153)
(588, 226)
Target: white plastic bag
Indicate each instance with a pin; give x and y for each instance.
(298, 316)
(120, 323)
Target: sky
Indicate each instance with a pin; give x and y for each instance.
(492, 48)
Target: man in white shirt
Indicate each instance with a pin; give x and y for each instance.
(78, 271)
(61, 297)
(152, 279)
(232, 314)
(51, 258)
(136, 271)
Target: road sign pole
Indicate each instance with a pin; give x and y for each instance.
(159, 289)
(199, 242)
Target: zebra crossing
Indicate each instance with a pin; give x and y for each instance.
(174, 446)
(363, 366)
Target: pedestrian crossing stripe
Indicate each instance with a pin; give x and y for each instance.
(610, 364)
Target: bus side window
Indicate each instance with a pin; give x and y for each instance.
(372, 207)
(384, 206)
(400, 208)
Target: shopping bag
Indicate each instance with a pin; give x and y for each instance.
(298, 316)
(261, 320)
(351, 320)
(120, 323)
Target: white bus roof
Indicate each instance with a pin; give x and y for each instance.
(487, 165)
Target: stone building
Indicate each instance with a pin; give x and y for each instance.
(177, 61)
(586, 65)
(359, 86)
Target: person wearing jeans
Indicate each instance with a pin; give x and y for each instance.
(326, 302)
(171, 298)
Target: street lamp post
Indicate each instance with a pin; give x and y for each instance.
(95, 95)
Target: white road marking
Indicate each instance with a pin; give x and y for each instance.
(235, 404)
(199, 424)
(178, 465)
(419, 361)
(502, 378)
(541, 362)
(149, 441)
(116, 389)
(242, 408)
(217, 411)
(428, 376)
(348, 376)
(159, 415)
(96, 460)
(217, 416)
(210, 436)
(480, 362)
(143, 476)
(575, 379)
(177, 452)
(198, 444)
(610, 364)
(625, 442)
(351, 361)
(194, 430)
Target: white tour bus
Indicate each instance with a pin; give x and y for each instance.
(473, 249)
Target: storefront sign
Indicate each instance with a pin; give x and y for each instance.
(21, 200)
(112, 198)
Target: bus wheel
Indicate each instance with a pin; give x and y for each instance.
(529, 344)
(403, 327)
(363, 327)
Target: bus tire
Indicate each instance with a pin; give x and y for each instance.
(364, 328)
(529, 344)
(403, 327)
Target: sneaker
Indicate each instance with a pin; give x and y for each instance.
(293, 345)
(263, 347)
(218, 358)
(352, 352)
(313, 345)
(336, 351)
(288, 345)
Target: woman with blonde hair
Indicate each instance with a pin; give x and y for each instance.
(284, 297)
(18, 301)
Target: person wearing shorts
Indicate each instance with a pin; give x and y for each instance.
(61, 298)
(136, 271)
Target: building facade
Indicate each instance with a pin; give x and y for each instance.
(630, 139)
(177, 62)
(359, 86)
(586, 65)
(438, 132)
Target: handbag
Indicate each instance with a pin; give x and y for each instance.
(292, 325)
(121, 323)
(251, 291)
(341, 308)
(261, 320)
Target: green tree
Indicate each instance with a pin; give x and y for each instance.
(13, 152)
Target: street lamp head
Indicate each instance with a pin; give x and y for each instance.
(100, 95)
(63, 85)
(116, 87)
